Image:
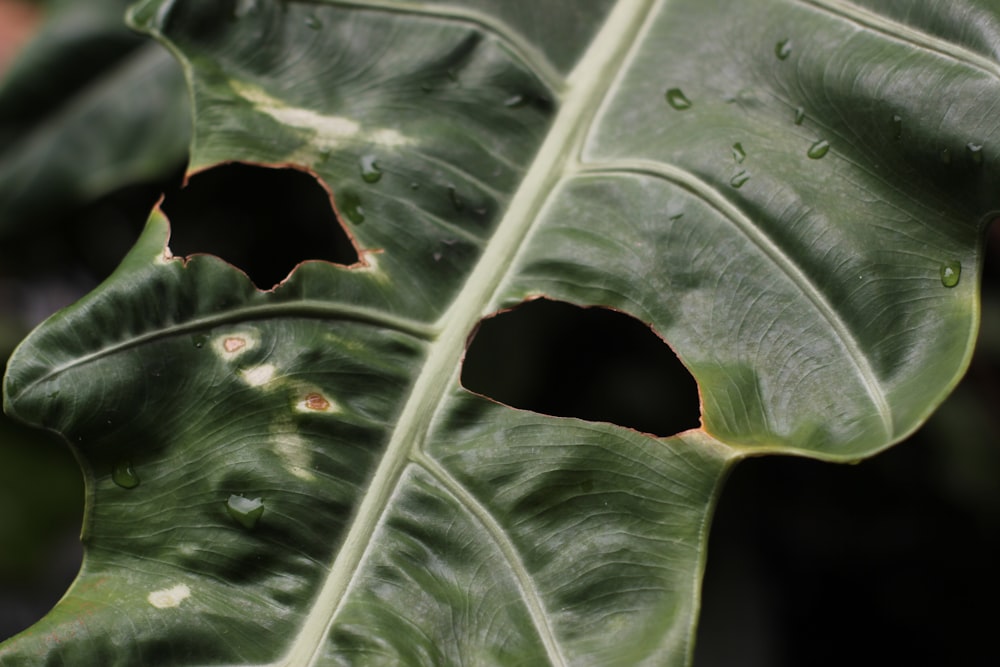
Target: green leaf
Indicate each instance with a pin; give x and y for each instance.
(88, 108)
(792, 194)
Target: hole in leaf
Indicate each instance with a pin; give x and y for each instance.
(264, 220)
(592, 363)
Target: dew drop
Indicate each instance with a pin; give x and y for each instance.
(800, 115)
(739, 179)
(414, 185)
(199, 340)
(818, 149)
(897, 127)
(245, 511)
(975, 152)
(456, 201)
(370, 172)
(350, 206)
(124, 476)
(515, 101)
(738, 153)
(951, 273)
(783, 49)
(946, 155)
(313, 22)
(676, 99)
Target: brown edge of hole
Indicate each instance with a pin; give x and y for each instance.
(359, 252)
(696, 423)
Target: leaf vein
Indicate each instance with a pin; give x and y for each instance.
(526, 585)
(704, 191)
(905, 33)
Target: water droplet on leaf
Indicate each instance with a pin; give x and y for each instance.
(739, 179)
(818, 149)
(783, 49)
(738, 153)
(313, 22)
(515, 101)
(897, 127)
(124, 476)
(800, 115)
(676, 99)
(245, 511)
(975, 152)
(199, 340)
(369, 169)
(951, 273)
(350, 206)
(946, 155)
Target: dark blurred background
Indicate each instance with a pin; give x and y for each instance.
(893, 561)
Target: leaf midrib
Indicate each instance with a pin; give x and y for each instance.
(585, 88)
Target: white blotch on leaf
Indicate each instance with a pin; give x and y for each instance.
(390, 137)
(259, 375)
(169, 597)
(329, 131)
(294, 452)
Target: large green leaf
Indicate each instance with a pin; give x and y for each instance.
(791, 193)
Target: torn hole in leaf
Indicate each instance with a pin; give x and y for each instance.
(264, 220)
(592, 363)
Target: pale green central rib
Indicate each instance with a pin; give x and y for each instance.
(586, 87)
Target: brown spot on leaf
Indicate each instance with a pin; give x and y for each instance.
(316, 401)
(234, 344)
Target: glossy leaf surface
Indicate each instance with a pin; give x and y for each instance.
(791, 193)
